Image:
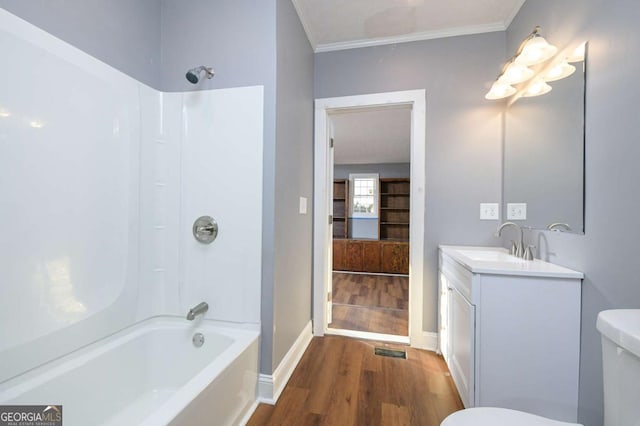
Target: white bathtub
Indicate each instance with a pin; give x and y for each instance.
(150, 374)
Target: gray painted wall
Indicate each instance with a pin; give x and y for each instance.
(463, 135)
(606, 252)
(123, 33)
(294, 178)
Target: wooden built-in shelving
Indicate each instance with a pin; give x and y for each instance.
(340, 208)
(394, 210)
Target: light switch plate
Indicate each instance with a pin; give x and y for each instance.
(489, 211)
(516, 211)
(303, 205)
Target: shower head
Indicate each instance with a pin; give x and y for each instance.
(193, 75)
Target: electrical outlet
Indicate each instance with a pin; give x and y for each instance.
(516, 211)
(489, 211)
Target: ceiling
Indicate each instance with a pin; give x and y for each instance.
(371, 136)
(345, 24)
(383, 135)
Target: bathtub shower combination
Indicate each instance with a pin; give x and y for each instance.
(149, 374)
(110, 175)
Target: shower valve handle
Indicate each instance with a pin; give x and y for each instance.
(205, 229)
(209, 229)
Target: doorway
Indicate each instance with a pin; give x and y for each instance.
(370, 208)
(372, 211)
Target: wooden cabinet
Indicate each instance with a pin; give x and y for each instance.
(395, 257)
(394, 209)
(389, 254)
(354, 255)
(339, 255)
(340, 208)
(371, 256)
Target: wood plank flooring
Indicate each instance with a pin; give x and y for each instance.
(373, 303)
(340, 381)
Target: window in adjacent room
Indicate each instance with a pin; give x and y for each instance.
(364, 195)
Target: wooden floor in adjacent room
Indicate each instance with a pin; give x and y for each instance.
(340, 381)
(373, 303)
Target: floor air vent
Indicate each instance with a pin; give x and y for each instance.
(393, 353)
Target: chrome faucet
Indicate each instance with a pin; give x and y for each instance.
(517, 248)
(199, 309)
(559, 226)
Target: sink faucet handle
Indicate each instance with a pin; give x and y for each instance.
(514, 248)
(528, 253)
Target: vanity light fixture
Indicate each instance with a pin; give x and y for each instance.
(560, 71)
(534, 49)
(4, 113)
(537, 88)
(532, 52)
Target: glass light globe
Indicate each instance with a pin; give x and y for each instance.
(536, 51)
(538, 88)
(559, 72)
(516, 73)
(500, 90)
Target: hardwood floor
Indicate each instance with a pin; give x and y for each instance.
(340, 381)
(373, 303)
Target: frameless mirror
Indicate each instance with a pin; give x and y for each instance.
(544, 155)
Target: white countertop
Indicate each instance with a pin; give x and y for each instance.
(497, 261)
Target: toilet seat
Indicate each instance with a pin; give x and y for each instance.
(490, 416)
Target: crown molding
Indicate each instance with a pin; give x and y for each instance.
(405, 38)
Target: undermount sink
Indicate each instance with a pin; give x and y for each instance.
(489, 255)
(497, 260)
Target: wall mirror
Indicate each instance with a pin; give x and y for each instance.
(544, 155)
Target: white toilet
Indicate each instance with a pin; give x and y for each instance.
(620, 329)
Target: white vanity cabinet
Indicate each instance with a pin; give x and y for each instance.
(509, 331)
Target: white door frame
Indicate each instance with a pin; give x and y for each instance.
(322, 239)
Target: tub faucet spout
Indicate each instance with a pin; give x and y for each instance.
(199, 309)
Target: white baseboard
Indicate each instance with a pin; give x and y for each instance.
(427, 341)
(247, 415)
(270, 386)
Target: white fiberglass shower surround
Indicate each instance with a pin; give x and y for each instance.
(101, 178)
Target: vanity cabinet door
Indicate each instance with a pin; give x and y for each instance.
(461, 340)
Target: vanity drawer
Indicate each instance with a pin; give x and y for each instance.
(458, 276)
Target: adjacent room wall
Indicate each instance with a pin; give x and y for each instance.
(604, 253)
(463, 135)
(385, 170)
(125, 34)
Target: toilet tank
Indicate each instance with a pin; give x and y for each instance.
(620, 329)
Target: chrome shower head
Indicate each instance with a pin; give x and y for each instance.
(193, 75)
